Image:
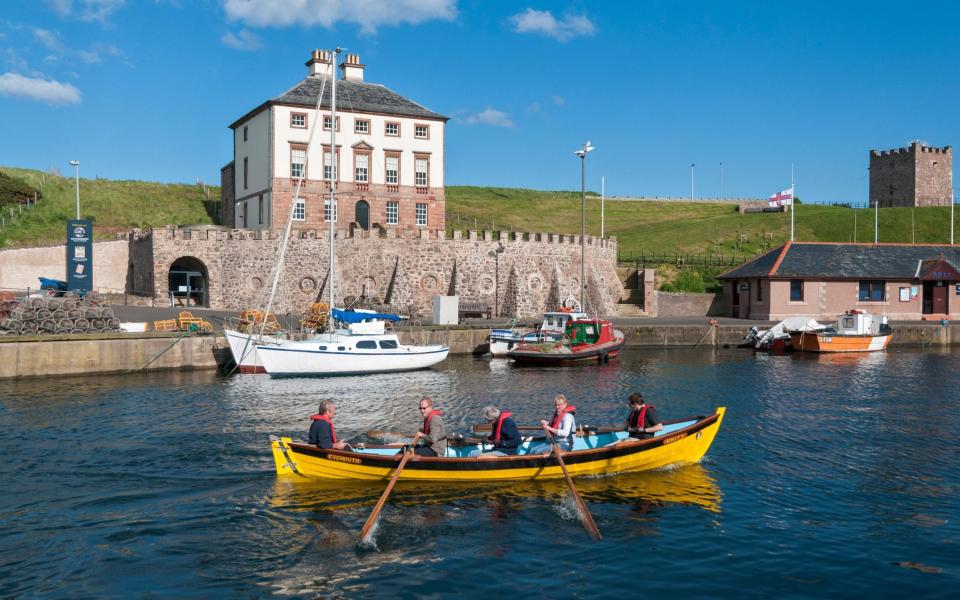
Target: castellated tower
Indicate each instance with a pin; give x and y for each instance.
(918, 175)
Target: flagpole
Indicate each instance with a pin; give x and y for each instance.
(602, 195)
(793, 202)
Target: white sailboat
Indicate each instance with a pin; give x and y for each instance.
(363, 345)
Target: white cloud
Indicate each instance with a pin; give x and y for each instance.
(558, 100)
(49, 39)
(242, 40)
(490, 116)
(533, 107)
(368, 14)
(35, 88)
(86, 10)
(544, 23)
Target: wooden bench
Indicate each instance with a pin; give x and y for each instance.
(474, 309)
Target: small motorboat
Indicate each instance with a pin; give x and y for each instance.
(553, 327)
(777, 338)
(583, 339)
(855, 331)
(679, 442)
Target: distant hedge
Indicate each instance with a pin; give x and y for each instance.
(16, 191)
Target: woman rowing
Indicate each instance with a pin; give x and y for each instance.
(561, 426)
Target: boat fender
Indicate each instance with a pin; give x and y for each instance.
(604, 357)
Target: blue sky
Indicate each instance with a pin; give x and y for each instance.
(145, 89)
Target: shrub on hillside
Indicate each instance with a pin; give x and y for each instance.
(686, 281)
(13, 190)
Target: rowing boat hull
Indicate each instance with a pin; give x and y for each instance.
(824, 342)
(683, 446)
(588, 352)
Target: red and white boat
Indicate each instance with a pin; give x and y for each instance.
(855, 331)
(584, 338)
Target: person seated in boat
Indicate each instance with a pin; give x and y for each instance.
(505, 435)
(561, 427)
(432, 432)
(322, 432)
(642, 421)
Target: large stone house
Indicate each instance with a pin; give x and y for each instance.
(389, 157)
(902, 281)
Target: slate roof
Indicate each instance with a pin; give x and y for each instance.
(809, 260)
(355, 96)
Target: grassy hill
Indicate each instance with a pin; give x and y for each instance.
(112, 205)
(685, 227)
(680, 227)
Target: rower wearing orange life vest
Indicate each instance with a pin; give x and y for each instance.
(322, 433)
(562, 424)
(432, 432)
(642, 421)
(505, 435)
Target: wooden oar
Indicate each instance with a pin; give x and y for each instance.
(585, 517)
(383, 498)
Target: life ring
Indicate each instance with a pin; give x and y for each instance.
(571, 303)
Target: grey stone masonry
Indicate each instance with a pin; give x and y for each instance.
(917, 175)
(519, 274)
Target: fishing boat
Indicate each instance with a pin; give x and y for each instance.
(553, 327)
(583, 338)
(679, 442)
(854, 331)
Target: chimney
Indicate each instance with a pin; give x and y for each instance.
(319, 64)
(352, 69)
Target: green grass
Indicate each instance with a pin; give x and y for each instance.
(684, 227)
(113, 206)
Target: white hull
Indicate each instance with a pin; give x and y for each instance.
(243, 347)
(306, 359)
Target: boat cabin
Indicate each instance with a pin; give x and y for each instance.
(858, 322)
(555, 322)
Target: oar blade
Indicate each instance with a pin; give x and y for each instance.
(585, 517)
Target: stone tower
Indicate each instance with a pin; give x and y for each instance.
(918, 175)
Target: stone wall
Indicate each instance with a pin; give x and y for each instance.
(686, 304)
(21, 268)
(519, 274)
(228, 198)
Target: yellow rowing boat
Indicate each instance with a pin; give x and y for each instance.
(680, 442)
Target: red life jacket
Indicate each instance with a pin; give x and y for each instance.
(426, 422)
(558, 417)
(642, 414)
(333, 432)
(499, 425)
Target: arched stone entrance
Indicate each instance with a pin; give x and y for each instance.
(362, 214)
(187, 282)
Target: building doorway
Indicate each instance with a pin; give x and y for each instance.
(187, 282)
(735, 300)
(362, 214)
(935, 297)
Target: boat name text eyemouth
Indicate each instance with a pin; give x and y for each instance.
(346, 459)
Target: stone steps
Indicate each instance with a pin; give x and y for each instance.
(630, 310)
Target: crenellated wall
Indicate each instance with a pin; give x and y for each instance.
(518, 274)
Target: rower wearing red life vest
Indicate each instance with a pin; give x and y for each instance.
(432, 432)
(562, 424)
(505, 435)
(322, 432)
(642, 421)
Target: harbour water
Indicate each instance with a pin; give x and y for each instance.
(831, 477)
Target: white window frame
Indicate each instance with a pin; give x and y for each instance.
(386, 129)
(326, 211)
(396, 172)
(326, 123)
(361, 173)
(328, 166)
(421, 178)
(302, 117)
(299, 209)
(393, 212)
(295, 173)
(361, 126)
(422, 214)
(418, 127)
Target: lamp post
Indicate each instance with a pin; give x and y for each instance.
(876, 222)
(692, 167)
(76, 164)
(721, 179)
(582, 153)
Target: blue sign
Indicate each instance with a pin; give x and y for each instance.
(79, 255)
(958, 289)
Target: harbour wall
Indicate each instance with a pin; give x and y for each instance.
(20, 268)
(121, 353)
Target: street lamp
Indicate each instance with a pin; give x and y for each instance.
(692, 167)
(76, 163)
(582, 153)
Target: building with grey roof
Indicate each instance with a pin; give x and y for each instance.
(903, 281)
(387, 166)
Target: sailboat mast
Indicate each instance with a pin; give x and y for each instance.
(333, 175)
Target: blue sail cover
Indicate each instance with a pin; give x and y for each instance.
(358, 317)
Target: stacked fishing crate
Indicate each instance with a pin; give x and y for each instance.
(53, 315)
